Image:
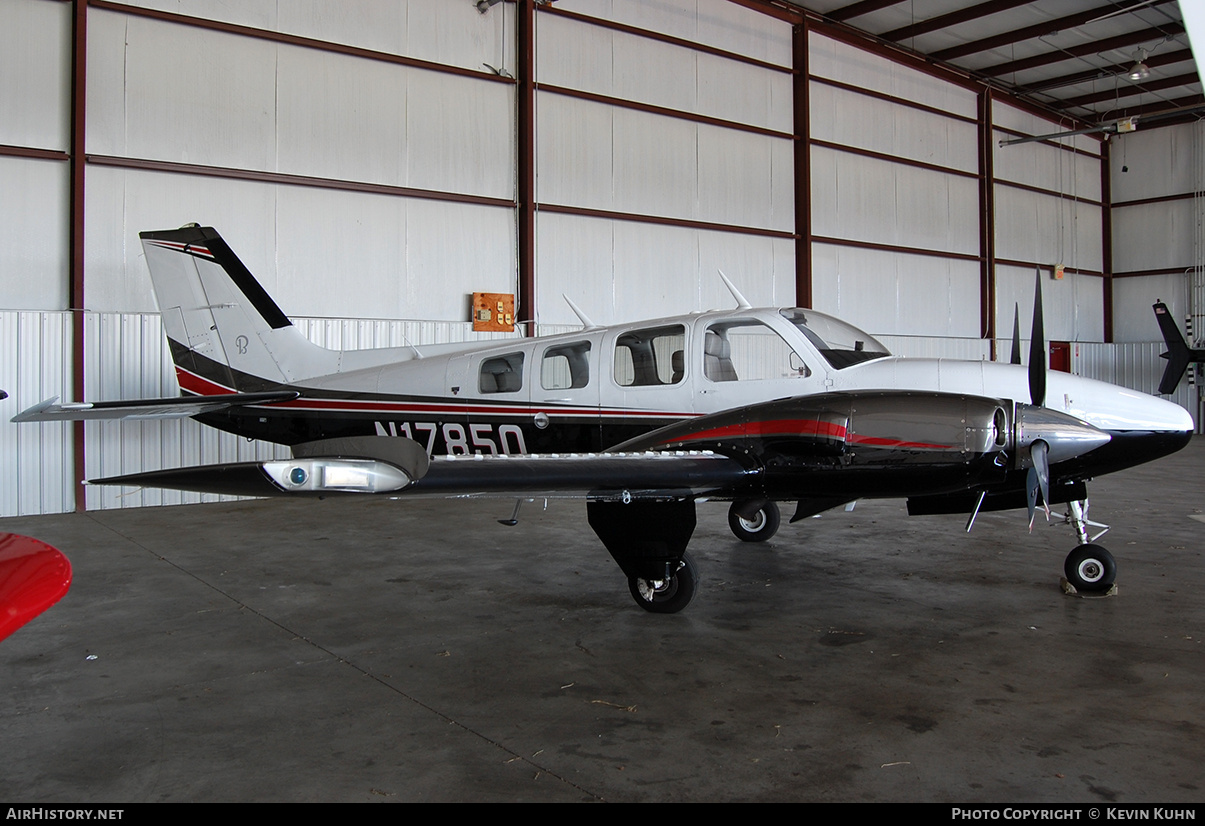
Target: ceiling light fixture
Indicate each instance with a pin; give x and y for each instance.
(1139, 71)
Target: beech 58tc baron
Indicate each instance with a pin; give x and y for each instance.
(751, 406)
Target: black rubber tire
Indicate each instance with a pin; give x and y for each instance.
(679, 590)
(1091, 569)
(760, 528)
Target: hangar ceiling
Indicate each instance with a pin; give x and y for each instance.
(1072, 56)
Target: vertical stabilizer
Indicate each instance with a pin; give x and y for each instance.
(225, 332)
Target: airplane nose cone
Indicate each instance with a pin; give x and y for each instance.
(1065, 435)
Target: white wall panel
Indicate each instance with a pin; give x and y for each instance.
(316, 251)
(603, 157)
(1073, 307)
(187, 94)
(353, 119)
(35, 364)
(625, 271)
(574, 152)
(867, 199)
(1133, 316)
(724, 25)
(1154, 236)
(746, 179)
(341, 117)
(441, 31)
(1048, 167)
(34, 238)
(1157, 162)
(656, 164)
(840, 61)
(851, 119)
(574, 55)
(35, 73)
(453, 250)
(460, 135)
(629, 66)
(1032, 226)
(1021, 120)
(211, 98)
(897, 294)
(259, 14)
(744, 93)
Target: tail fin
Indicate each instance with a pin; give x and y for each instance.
(226, 333)
(1177, 355)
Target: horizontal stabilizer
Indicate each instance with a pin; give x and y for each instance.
(177, 407)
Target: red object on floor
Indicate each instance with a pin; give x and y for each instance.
(33, 577)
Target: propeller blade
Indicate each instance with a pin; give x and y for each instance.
(1031, 493)
(1038, 451)
(1037, 349)
(1016, 357)
(1037, 480)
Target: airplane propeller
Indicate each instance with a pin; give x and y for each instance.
(1044, 436)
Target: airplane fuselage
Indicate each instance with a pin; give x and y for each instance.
(591, 390)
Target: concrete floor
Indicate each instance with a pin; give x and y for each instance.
(373, 650)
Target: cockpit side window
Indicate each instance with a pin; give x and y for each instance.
(841, 344)
(503, 374)
(646, 358)
(748, 350)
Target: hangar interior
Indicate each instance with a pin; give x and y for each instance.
(375, 164)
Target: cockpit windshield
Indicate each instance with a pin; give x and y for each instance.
(843, 345)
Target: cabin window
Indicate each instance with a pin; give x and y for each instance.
(503, 374)
(566, 366)
(748, 350)
(650, 357)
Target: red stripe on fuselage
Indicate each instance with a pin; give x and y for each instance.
(801, 427)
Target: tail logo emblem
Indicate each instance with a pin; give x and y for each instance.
(240, 344)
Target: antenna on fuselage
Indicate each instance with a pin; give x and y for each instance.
(742, 303)
(590, 325)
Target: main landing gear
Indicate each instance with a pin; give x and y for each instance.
(1090, 569)
(648, 540)
(754, 520)
(669, 594)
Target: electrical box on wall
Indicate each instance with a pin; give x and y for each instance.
(494, 312)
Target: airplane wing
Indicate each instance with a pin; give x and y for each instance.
(177, 407)
(33, 577)
(638, 476)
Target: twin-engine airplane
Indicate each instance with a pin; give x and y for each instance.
(751, 406)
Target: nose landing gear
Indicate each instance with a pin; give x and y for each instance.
(1090, 568)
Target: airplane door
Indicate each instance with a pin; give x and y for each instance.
(744, 361)
(648, 381)
(565, 397)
